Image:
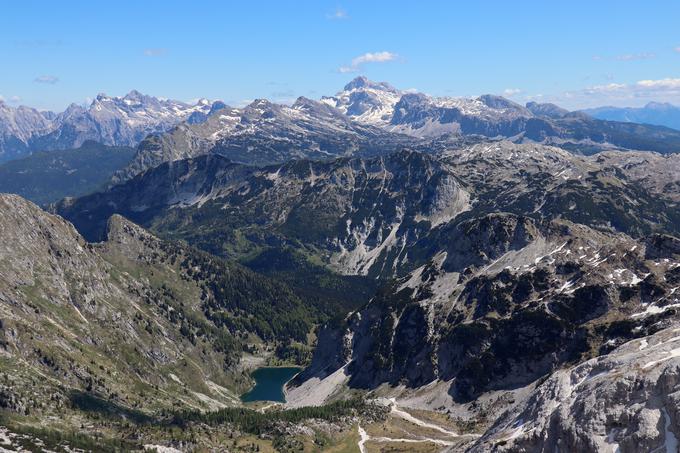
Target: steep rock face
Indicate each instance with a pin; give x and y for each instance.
(487, 115)
(181, 183)
(135, 320)
(387, 215)
(359, 214)
(116, 121)
(625, 401)
(366, 101)
(531, 298)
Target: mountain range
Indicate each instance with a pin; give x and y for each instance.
(372, 116)
(659, 113)
(450, 274)
(113, 121)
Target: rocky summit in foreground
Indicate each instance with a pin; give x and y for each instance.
(624, 401)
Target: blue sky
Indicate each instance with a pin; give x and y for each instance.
(575, 53)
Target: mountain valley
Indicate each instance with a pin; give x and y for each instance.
(452, 274)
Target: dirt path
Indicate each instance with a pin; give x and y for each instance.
(395, 411)
(416, 421)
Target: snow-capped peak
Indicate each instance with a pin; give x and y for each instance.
(111, 120)
(366, 101)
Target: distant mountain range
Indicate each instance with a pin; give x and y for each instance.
(365, 118)
(114, 121)
(419, 115)
(368, 118)
(661, 114)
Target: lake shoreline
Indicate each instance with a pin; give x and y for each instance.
(270, 384)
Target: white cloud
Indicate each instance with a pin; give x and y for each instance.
(12, 99)
(677, 49)
(638, 89)
(338, 14)
(48, 79)
(534, 97)
(622, 94)
(369, 57)
(510, 92)
(155, 52)
(671, 84)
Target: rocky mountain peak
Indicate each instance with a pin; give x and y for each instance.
(317, 109)
(546, 109)
(499, 102)
(362, 82)
(261, 104)
(134, 94)
(118, 228)
(217, 105)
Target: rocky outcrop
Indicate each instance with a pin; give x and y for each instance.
(625, 401)
(533, 297)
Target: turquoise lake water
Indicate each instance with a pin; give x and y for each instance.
(269, 382)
